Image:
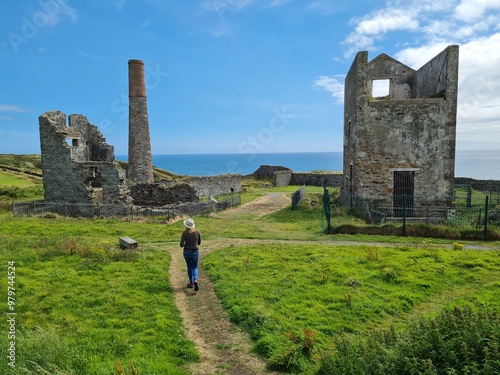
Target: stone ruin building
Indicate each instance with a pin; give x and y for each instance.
(401, 142)
(79, 167)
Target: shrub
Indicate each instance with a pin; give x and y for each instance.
(417, 230)
(458, 341)
(296, 352)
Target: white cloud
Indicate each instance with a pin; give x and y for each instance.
(3, 118)
(472, 10)
(223, 6)
(120, 4)
(62, 9)
(11, 108)
(387, 20)
(415, 57)
(478, 113)
(323, 7)
(92, 57)
(431, 22)
(472, 24)
(333, 85)
(479, 85)
(373, 27)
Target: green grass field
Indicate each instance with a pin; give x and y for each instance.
(84, 306)
(7, 179)
(19, 186)
(282, 293)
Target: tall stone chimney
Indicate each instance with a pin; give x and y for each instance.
(140, 164)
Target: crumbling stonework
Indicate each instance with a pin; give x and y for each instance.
(159, 194)
(317, 179)
(78, 165)
(211, 186)
(266, 172)
(402, 143)
(282, 178)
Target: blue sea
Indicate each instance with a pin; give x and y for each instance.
(480, 164)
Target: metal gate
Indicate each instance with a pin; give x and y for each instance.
(403, 193)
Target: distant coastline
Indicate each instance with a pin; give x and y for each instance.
(476, 164)
(216, 164)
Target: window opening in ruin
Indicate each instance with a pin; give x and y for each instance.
(95, 180)
(404, 185)
(72, 142)
(380, 88)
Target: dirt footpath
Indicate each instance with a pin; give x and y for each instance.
(224, 349)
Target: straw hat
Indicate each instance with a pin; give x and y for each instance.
(189, 223)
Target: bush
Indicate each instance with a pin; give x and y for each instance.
(458, 341)
(20, 193)
(417, 230)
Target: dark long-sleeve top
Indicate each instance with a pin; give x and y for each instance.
(190, 240)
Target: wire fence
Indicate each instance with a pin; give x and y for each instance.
(468, 216)
(465, 196)
(37, 208)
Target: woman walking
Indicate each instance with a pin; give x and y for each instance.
(190, 240)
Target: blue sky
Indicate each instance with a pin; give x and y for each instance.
(232, 76)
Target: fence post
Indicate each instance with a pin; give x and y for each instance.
(486, 218)
(326, 207)
(404, 214)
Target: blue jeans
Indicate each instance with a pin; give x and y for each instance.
(191, 258)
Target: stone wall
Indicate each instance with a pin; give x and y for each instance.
(210, 186)
(282, 178)
(317, 179)
(188, 189)
(159, 194)
(266, 172)
(482, 185)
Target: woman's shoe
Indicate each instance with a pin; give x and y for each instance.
(190, 285)
(196, 287)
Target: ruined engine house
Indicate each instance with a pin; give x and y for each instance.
(78, 165)
(400, 143)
